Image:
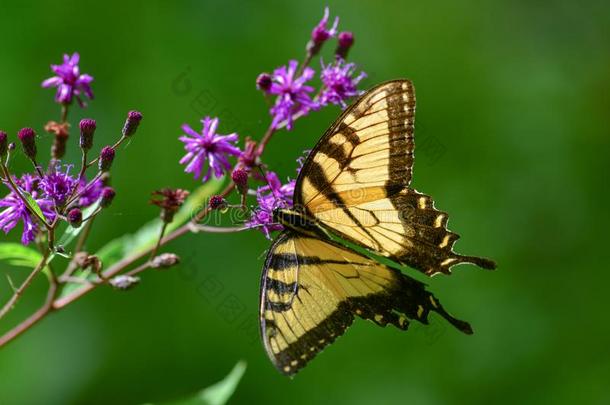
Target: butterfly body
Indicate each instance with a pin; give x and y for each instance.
(355, 184)
(299, 222)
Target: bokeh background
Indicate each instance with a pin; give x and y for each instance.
(514, 94)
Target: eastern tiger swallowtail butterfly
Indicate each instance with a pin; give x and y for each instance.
(355, 184)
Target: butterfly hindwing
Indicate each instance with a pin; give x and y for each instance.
(312, 289)
(355, 182)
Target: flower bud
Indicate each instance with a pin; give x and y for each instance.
(27, 136)
(124, 282)
(11, 146)
(106, 197)
(87, 129)
(320, 34)
(240, 178)
(165, 260)
(106, 158)
(217, 202)
(249, 157)
(3, 144)
(75, 217)
(132, 122)
(346, 40)
(263, 82)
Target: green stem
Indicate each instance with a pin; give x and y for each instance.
(64, 112)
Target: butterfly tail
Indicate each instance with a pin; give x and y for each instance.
(477, 261)
(462, 326)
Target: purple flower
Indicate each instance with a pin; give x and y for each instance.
(69, 82)
(293, 99)
(208, 146)
(58, 186)
(15, 210)
(275, 188)
(89, 195)
(320, 32)
(269, 197)
(339, 82)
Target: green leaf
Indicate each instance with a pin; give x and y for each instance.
(19, 255)
(219, 393)
(32, 203)
(71, 233)
(147, 235)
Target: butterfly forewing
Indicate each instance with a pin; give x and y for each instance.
(355, 182)
(311, 290)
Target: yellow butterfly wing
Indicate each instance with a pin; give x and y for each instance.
(311, 290)
(355, 182)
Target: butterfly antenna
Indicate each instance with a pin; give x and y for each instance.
(264, 174)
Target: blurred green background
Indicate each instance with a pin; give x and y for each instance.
(514, 93)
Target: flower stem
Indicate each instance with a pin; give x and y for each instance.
(64, 113)
(265, 140)
(216, 229)
(139, 269)
(128, 261)
(33, 319)
(83, 165)
(37, 168)
(153, 253)
(17, 294)
(52, 303)
(80, 193)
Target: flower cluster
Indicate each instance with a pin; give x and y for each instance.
(58, 194)
(294, 95)
(43, 199)
(340, 82)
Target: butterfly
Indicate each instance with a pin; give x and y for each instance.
(354, 185)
